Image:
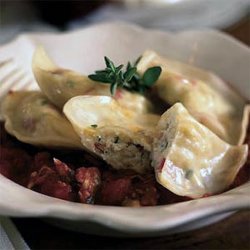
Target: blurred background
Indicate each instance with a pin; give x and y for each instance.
(170, 15)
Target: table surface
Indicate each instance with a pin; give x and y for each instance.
(230, 233)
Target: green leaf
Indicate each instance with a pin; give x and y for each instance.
(188, 173)
(116, 139)
(104, 71)
(128, 66)
(109, 64)
(119, 68)
(137, 61)
(120, 79)
(113, 88)
(130, 79)
(151, 75)
(104, 78)
(129, 74)
(141, 89)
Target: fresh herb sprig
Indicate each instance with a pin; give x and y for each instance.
(128, 79)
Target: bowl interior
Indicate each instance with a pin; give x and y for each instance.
(83, 50)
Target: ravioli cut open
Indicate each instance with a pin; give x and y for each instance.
(189, 159)
(209, 99)
(59, 85)
(31, 118)
(119, 136)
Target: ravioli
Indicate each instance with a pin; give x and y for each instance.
(211, 101)
(189, 159)
(31, 118)
(121, 137)
(59, 85)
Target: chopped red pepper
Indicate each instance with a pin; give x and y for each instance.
(100, 147)
(161, 165)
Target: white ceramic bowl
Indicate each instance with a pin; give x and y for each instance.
(83, 50)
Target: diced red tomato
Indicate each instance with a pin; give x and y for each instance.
(6, 169)
(47, 181)
(63, 170)
(89, 180)
(53, 177)
(42, 159)
(58, 189)
(19, 163)
(115, 191)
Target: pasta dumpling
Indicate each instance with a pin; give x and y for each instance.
(189, 159)
(59, 85)
(211, 101)
(31, 118)
(120, 136)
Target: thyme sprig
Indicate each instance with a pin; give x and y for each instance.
(128, 79)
